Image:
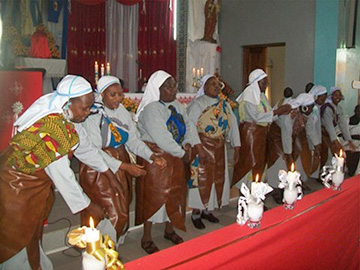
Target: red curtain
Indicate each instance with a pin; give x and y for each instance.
(156, 46)
(86, 38)
(95, 2)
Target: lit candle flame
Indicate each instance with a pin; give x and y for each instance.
(91, 223)
(292, 167)
(257, 178)
(341, 153)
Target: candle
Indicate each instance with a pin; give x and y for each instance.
(340, 159)
(96, 68)
(108, 69)
(198, 73)
(254, 184)
(140, 74)
(193, 72)
(89, 262)
(92, 234)
(292, 174)
(102, 70)
(201, 72)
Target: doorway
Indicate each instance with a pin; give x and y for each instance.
(271, 59)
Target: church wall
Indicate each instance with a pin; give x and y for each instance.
(348, 67)
(250, 22)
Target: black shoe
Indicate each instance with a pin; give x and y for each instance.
(210, 217)
(198, 223)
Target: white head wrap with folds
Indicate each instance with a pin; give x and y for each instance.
(152, 91)
(318, 90)
(332, 90)
(105, 82)
(252, 92)
(203, 81)
(304, 99)
(70, 86)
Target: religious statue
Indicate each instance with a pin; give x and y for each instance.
(212, 8)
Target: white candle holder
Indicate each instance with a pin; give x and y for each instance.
(291, 183)
(255, 212)
(89, 262)
(333, 176)
(251, 206)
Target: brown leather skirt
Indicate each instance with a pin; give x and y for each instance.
(252, 151)
(96, 186)
(301, 148)
(25, 202)
(159, 187)
(325, 146)
(213, 171)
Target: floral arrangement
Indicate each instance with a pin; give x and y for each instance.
(130, 105)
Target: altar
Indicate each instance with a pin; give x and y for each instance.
(55, 70)
(322, 232)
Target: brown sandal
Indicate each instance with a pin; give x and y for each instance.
(149, 247)
(173, 237)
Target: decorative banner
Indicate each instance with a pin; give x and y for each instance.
(16, 86)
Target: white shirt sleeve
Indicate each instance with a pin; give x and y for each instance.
(92, 129)
(64, 179)
(194, 111)
(252, 112)
(87, 153)
(233, 134)
(327, 121)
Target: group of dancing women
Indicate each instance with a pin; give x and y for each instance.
(180, 156)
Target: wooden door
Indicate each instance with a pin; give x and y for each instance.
(253, 57)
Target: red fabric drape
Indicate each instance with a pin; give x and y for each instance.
(95, 2)
(322, 232)
(86, 39)
(156, 46)
(90, 2)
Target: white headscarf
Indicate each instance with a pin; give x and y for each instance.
(203, 80)
(332, 90)
(69, 87)
(152, 91)
(252, 91)
(318, 90)
(304, 99)
(105, 82)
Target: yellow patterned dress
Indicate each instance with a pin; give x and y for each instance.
(25, 189)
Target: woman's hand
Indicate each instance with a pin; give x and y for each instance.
(187, 157)
(133, 169)
(352, 146)
(201, 153)
(159, 161)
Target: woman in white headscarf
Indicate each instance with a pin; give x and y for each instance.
(287, 142)
(256, 115)
(333, 119)
(213, 120)
(313, 127)
(38, 157)
(164, 127)
(111, 130)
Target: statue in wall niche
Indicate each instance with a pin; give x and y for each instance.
(212, 9)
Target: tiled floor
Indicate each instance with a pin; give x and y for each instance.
(131, 249)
